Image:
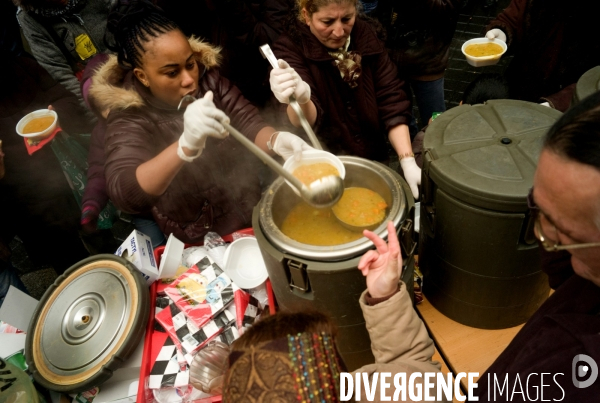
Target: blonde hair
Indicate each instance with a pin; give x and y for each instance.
(312, 6)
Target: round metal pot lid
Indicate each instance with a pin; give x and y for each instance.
(279, 198)
(487, 154)
(87, 323)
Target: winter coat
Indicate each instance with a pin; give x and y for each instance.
(271, 370)
(566, 325)
(399, 341)
(56, 37)
(36, 201)
(419, 34)
(550, 40)
(94, 194)
(349, 121)
(560, 100)
(215, 192)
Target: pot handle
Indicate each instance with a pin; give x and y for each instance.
(405, 235)
(297, 274)
(427, 192)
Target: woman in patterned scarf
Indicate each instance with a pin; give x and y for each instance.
(333, 62)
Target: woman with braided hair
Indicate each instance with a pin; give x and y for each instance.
(179, 165)
(339, 71)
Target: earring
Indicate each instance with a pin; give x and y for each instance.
(146, 83)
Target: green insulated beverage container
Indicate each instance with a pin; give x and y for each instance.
(587, 84)
(477, 250)
(326, 278)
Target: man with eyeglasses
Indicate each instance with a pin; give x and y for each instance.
(545, 355)
(556, 355)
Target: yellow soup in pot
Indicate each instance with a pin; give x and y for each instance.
(319, 227)
(38, 124)
(483, 49)
(309, 173)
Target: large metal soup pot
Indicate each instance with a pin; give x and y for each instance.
(326, 278)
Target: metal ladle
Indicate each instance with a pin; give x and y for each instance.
(322, 193)
(268, 54)
(356, 228)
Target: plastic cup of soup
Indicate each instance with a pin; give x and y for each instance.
(483, 51)
(37, 125)
(311, 163)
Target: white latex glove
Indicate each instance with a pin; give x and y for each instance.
(285, 82)
(200, 120)
(496, 33)
(288, 145)
(412, 174)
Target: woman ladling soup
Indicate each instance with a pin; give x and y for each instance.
(345, 82)
(180, 166)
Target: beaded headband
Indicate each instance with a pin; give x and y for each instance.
(303, 368)
(316, 367)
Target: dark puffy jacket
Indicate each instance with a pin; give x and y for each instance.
(419, 34)
(217, 191)
(349, 121)
(565, 326)
(550, 40)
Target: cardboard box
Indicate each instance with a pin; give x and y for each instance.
(123, 385)
(18, 308)
(137, 248)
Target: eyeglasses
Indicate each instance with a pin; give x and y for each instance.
(549, 244)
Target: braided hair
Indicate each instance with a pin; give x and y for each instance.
(130, 25)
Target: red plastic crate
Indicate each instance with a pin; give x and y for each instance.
(149, 355)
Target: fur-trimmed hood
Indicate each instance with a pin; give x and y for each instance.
(108, 90)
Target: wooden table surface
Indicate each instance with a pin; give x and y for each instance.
(464, 348)
(438, 357)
